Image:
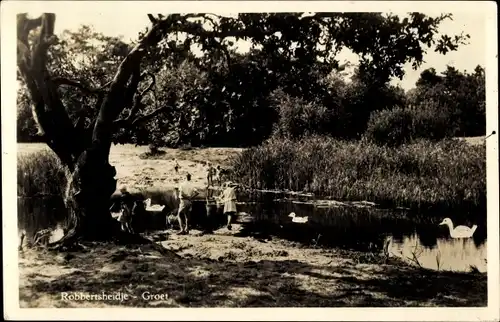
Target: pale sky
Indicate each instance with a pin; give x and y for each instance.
(128, 23)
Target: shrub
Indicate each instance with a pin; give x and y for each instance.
(40, 174)
(401, 125)
(298, 117)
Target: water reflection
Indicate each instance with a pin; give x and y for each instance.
(35, 214)
(416, 238)
(446, 254)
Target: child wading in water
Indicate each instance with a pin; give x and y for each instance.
(126, 204)
(228, 197)
(186, 194)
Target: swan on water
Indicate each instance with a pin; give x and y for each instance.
(150, 207)
(459, 231)
(297, 219)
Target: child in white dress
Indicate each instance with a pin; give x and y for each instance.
(228, 198)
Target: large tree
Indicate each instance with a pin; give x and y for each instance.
(77, 52)
(384, 42)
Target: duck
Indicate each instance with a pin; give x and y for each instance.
(150, 207)
(300, 220)
(459, 231)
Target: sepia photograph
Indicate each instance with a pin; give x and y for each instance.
(250, 155)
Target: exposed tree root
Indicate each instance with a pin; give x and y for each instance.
(73, 242)
(124, 238)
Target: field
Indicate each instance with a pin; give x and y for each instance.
(136, 173)
(229, 271)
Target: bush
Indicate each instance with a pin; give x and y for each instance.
(298, 117)
(424, 173)
(40, 174)
(402, 125)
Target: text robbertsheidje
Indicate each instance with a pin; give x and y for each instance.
(82, 296)
(117, 296)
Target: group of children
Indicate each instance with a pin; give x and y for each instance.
(226, 199)
(214, 174)
(186, 193)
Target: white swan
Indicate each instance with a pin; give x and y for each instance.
(459, 231)
(299, 220)
(150, 207)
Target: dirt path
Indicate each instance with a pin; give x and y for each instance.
(222, 270)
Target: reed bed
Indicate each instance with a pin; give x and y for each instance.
(422, 174)
(40, 174)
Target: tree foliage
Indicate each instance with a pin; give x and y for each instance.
(80, 62)
(446, 105)
(460, 95)
(218, 95)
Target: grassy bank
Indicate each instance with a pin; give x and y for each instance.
(448, 173)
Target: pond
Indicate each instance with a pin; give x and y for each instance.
(415, 237)
(35, 214)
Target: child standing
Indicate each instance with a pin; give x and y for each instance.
(186, 194)
(210, 174)
(217, 177)
(125, 203)
(228, 197)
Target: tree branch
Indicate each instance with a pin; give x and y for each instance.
(115, 100)
(49, 112)
(152, 19)
(89, 90)
(137, 102)
(148, 116)
(178, 23)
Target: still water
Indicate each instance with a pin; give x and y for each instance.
(35, 214)
(414, 237)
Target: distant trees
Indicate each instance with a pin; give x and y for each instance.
(461, 95)
(447, 105)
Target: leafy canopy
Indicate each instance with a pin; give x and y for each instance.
(217, 92)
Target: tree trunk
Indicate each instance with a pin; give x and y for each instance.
(87, 197)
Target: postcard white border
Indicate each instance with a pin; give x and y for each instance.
(9, 9)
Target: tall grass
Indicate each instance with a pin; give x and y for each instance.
(420, 174)
(40, 174)
(41, 182)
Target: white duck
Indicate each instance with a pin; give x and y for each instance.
(300, 220)
(150, 207)
(459, 231)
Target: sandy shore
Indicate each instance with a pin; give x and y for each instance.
(226, 271)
